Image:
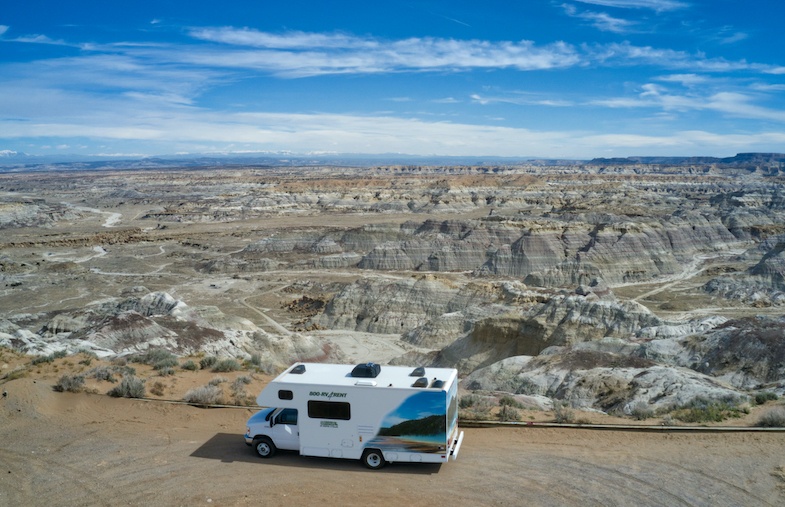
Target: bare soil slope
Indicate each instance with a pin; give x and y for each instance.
(89, 449)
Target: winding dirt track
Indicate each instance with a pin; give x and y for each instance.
(79, 449)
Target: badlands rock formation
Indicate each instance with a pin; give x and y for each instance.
(608, 285)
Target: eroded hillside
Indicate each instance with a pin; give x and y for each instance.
(611, 288)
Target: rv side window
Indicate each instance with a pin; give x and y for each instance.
(287, 416)
(284, 394)
(329, 410)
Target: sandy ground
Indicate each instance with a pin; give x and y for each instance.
(90, 449)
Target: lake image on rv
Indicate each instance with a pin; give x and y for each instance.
(414, 426)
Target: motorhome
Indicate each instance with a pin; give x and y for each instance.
(377, 414)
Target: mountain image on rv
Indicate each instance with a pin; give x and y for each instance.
(366, 412)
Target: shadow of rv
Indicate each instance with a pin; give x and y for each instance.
(230, 448)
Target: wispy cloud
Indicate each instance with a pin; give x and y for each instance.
(728, 103)
(300, 54)
(656, 5)
(600, 20)
(41, 39)
(627, 54)
(520, 99)
(152, 96)
(727, 35)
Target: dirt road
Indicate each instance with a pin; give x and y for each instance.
(81, 449)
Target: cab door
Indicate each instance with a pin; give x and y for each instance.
(285, 432)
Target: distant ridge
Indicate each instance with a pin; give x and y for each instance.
(738, 159)
(12, 161)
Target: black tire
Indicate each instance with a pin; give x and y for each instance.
(264, 447)
(373, 459)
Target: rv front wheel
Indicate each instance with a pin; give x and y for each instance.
(264, 447)
(373, 459)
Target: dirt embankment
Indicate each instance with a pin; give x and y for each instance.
(90, 449)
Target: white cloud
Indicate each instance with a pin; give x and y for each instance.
(520, 99)
(656, 5)
(685, 79)
(40, 39)
(600, 20)
(3, 29)
(728, 103)
(200, 131)
(300, 54)
(627, 54)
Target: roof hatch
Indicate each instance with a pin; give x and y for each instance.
(367, 370)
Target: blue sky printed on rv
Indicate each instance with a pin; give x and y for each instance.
(539, 78)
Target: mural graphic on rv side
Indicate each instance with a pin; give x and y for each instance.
(419, 424)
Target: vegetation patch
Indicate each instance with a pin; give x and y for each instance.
(129, 387)
(475, 407)
(774, 418)
(189, 365)
(207, 362)
(49, 358)
(159, 359)
(226, 365)
(205, 395)
(762, 397)
(704, 410)
(70, 383)
(563, 413)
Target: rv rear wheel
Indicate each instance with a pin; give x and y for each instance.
(264, 447)
(373, 459)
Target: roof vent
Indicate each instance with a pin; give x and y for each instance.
(298, 370)
(437, 383)
(420, 382)
(418, 372)
(367, 370)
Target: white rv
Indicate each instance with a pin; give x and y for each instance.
(377, 414)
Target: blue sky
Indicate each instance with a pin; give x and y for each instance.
(537, 78)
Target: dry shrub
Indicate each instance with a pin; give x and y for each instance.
(205, 395)
(773, 418)
(70, 383)
(130, 387)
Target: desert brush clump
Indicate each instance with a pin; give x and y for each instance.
(509, 413)
(70, 383)
(703, 410)
(190, 365)
(205, 395)
(217, 380)
(508, 408)
(226, 365)
(129, 387)
(107, 373)
(642, 411)
(103, 373)
(159, 359)
(87, 356)
(158, 388)
(207, 362)
(239, 394)
(762, 397)
(563, 413)
(476, 407)
(773, 418)
(49, 358)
